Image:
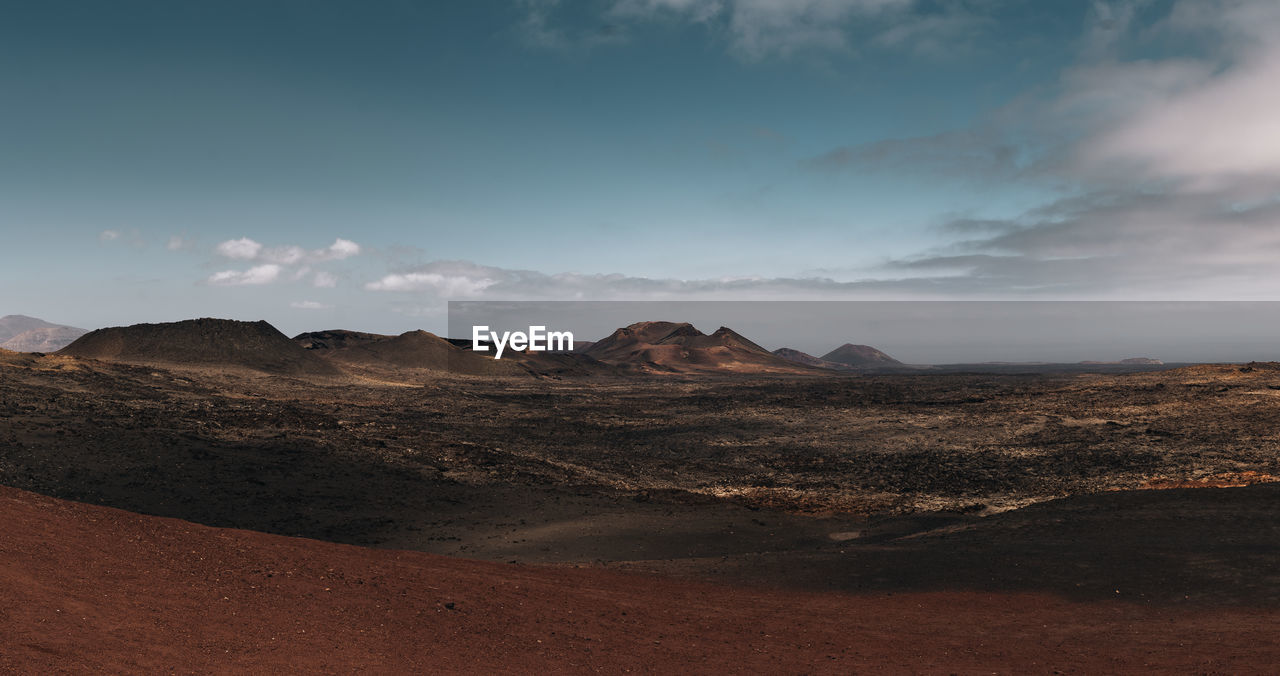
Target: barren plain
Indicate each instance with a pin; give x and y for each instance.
(1144, 500)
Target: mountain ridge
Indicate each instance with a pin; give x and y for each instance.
(850, 354)
(21, 333)
(205, 342)
(679, 347)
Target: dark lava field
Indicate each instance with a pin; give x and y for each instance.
(646, 468)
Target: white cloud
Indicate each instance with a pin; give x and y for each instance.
(1182, 246)
(248, 249)
(443, 280)
(176, 243)
(132, 237)
(243, 249)
(341, 249)
(1200, 121)
(260, 274)
(309, 305)
(1207, 136)
(275, 261)
(442, 285)
(1168, 169)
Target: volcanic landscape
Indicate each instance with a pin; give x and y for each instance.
(213, 495)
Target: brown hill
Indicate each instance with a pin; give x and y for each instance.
(679, 347)
(416, 351)
(334, 339)
(413, 352)
(624, 342)
(860, 356)
(809, 360)
(223, 343)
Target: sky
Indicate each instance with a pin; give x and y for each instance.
(343, 164)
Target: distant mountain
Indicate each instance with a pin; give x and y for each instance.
(43, 340)
(410, 353)
(860, 356)
(1132, 361)
(20, 333)
(213, 343)
(809, 360)
(624, 343)
(679, 347)
(12, 325)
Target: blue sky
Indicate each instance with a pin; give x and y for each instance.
(329, 164)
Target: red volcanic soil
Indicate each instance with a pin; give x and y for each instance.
(91, 589)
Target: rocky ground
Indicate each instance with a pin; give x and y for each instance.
(933, 503)
(386, 464)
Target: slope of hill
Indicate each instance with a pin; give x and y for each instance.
(1131, 361)
(334, 339)
(860, 356)
(205, 342)
(12, 325)
(20, 333)
(89, 589)
(679, 347)
(809, 360)
(624, 342)
(558, 364)
(415, 351)
(43, 340)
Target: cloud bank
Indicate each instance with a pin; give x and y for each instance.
(1159, 146)
(275, 261)
(1167, 169)
(438, 281)
(257, 275)
(309, 305)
